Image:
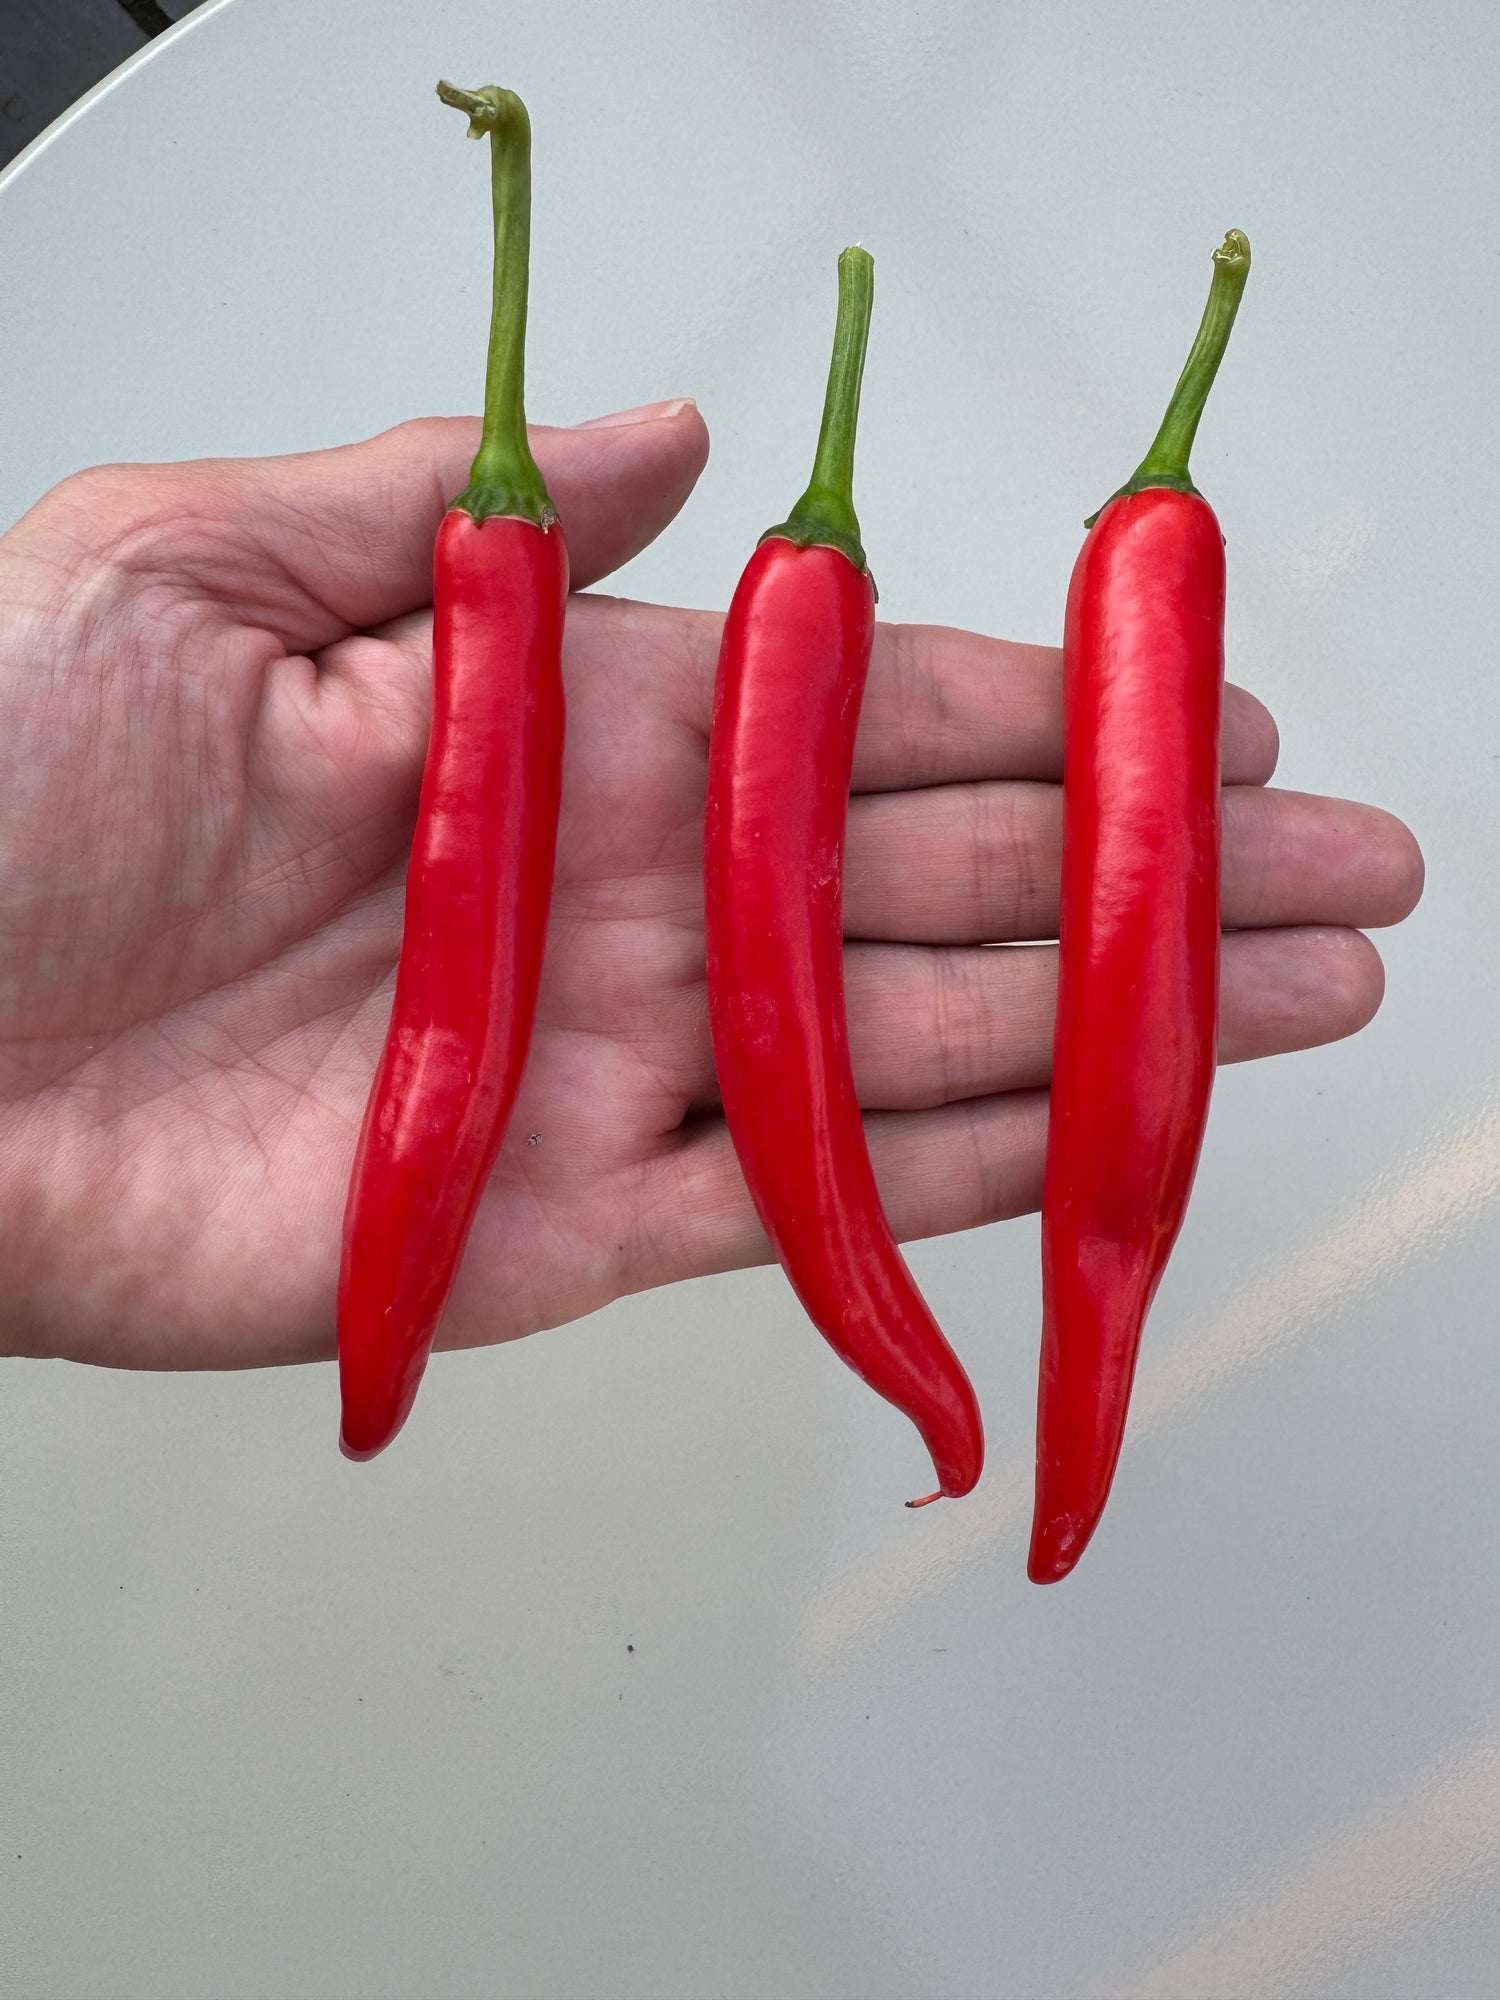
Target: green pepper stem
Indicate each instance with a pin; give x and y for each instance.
(504, 479)
(1166, 463)
(825, 515)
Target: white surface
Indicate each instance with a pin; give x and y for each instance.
(278, 1725)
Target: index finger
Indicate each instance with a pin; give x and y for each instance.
(946, 707)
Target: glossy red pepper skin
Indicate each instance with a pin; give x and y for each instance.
(477, 895)
(1134, 1052)
(792, 667)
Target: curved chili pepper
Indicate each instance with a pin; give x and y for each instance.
(792, 666)
(480, 876)
(1134, 1052)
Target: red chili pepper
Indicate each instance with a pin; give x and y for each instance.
(796, 649)
(480, 876)
(1133, 1059)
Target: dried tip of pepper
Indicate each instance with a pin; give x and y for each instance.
(1235, 249)
(926, 1500)
(486, 109)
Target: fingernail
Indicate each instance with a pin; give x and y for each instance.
(648, 413)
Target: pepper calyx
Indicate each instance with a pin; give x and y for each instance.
(811, 534)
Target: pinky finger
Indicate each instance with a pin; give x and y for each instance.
(948, 1168)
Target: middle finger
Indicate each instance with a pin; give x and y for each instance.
(981, 863)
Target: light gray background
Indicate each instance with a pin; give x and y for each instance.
(278, 1725)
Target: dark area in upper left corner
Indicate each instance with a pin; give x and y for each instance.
(52, 51)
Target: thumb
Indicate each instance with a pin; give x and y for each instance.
(616, 482)
(353, 527)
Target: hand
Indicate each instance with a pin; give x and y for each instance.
(214, 686)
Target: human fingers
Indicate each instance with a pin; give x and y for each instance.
(1301, 858)
(616, 482)
(953, 1167)
(973, 1153)
(981, 863)
(929, 1027)
(325, 543)
(945, 707)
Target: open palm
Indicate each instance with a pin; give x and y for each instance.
(214, 694)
